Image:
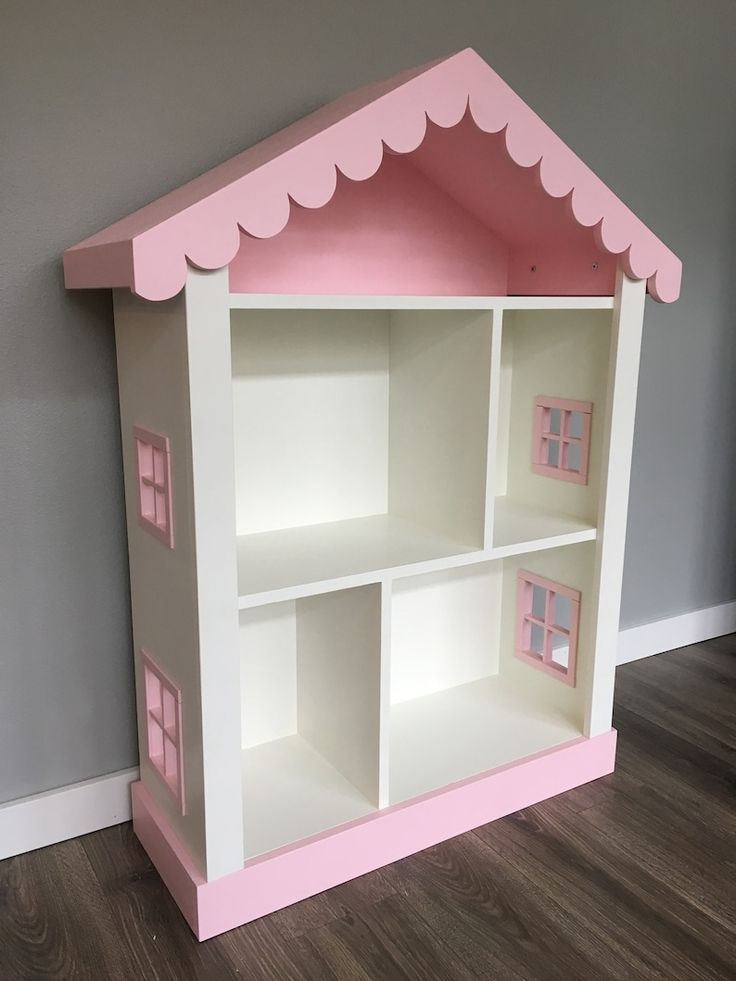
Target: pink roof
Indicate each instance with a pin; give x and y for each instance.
(201, 222)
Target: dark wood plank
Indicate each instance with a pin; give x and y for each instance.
(55, 921)
(387, 940)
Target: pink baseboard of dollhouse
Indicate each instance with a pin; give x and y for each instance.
(298, 871)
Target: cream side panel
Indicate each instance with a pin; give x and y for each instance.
(618, 427)
(213, 471)
(151, 341)
(563, 354)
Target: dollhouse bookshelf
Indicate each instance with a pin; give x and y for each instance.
(377, 438)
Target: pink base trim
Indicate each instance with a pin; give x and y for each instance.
(298, 871)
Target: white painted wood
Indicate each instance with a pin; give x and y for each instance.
(56, 815)
(285, 301)
(213, 476)
(268, 673)
(615, 477)
(520, 528)
(153, 387)
(439, 396)
(291, 792)
(384, 735)
(675, 632)
(564, 354)
(301, 561)
(494, 427)
(338, 681)
(311, 402)
(503, 431)
(462, 731)
(444, 630)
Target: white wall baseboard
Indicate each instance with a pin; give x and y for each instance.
(675, 632)
(77, 809)
(45, 819)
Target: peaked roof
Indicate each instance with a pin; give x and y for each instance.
(201, 222)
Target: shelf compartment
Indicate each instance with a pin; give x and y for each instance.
(558, 355)
(299, 794)
(459, 732)
(349, 416)
(310, 691)
(461, 702)
(306, 557)
(520, 528)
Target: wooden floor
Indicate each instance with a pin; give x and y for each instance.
(631, 877)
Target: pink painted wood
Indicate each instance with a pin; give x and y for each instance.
(542, 437)
(293, 873)
(153, 472)
(164, 730)
(552, 212)
(548, 625)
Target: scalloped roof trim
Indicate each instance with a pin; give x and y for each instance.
(200, 223)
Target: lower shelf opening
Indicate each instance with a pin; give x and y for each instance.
(310, 688)
(291, 792)
(439, 739)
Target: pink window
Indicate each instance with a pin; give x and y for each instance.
(153, 462)
(163, 727)
(562, 438)
(547, 625)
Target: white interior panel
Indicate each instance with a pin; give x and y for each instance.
(444, 630)
(338, 681)
(560, 353)
(440, 382)
(268, 672)
(310, 401)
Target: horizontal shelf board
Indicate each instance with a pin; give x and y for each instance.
(295, 562)
(291, 792)
(519, 528)
(439, 739)
(285, 301)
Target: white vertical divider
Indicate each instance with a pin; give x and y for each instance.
(213, 477)
(494, 403)
(623, 377)
(384, 732)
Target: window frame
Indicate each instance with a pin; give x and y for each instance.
(163, 722)
(525, 619)
(149, 483)
(543, 436)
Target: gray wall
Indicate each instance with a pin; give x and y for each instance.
(106, 105)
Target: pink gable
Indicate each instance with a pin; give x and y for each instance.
(508, 181)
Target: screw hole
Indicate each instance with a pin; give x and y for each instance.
(532, 268)
(595, 265)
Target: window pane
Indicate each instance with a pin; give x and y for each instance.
(536, 642)
(562, 611)
(555, 421)
(158, 466)
(553, 453)
(539, 601)
(573, 457)
(560, 651)
(575, 424)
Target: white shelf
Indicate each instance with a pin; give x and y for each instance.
(296, 562)
(439, 739)
(291, 792)
(286, 301)
(519, 528)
